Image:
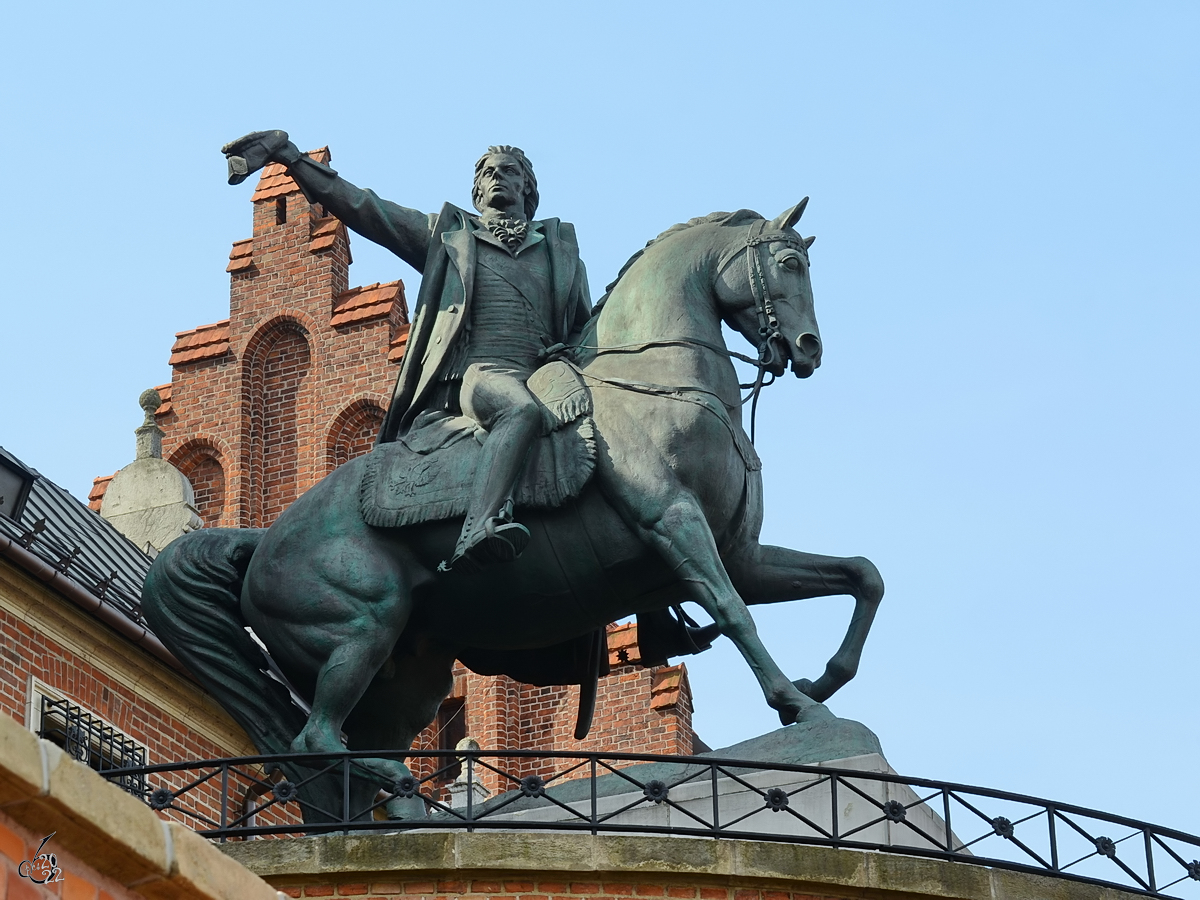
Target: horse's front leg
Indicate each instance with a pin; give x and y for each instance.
(682, 537)
(764, 574)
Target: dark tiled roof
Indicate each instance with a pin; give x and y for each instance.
(65, 534)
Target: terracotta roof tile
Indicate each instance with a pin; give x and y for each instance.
(364, 304)
(275, 182)
(241, 256)
(399, 343)
(666, 686)
(205, 342)
(164, 391)
(99, 487)
(327, 225)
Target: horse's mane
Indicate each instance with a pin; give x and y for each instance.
(741, 217)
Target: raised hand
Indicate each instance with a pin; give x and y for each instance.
(251, 152)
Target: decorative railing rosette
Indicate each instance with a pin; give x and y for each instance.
(297, 794)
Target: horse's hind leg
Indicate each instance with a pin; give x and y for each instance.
(401, 701)
(330, 626)
(765, 574)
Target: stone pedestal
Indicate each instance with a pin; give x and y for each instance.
(460, 791)
(150, 501)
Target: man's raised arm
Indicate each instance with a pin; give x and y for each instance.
(403, 231)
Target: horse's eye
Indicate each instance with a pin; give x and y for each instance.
(790, 262)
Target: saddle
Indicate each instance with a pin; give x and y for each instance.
(427, 475)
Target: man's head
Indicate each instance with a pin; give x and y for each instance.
(504, 180)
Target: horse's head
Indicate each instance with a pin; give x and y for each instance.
(764, 292)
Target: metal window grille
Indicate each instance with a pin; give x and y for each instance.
(93, 742)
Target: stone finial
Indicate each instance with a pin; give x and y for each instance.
(467, 782)
(150, 401)
(149, 435)
(150, 501)
(469, 744)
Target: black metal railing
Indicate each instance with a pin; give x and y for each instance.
(93, 742)
(304, 794)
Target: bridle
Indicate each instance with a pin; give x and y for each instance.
(768, 323)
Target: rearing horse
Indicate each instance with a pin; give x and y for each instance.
(366, 629)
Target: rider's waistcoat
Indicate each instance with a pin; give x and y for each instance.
(510, 307)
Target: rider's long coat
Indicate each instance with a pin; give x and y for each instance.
(442, 248)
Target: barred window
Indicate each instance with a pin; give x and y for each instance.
(92, 741)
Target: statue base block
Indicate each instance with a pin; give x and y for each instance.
(694, 792)
(808, 743)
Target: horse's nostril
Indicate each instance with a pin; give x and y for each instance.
(809, 344)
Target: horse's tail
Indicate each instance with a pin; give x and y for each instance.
(191, 602)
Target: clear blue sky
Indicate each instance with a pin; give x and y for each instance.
(1005, 201)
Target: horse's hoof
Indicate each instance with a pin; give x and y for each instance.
(405, 808)
(815, 713)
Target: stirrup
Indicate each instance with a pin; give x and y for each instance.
(501, 540)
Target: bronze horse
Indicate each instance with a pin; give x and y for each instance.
(366, 629)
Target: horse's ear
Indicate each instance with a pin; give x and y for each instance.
(790, 217)
(808, 241)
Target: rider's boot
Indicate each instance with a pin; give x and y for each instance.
(489, 534)
(495, 539)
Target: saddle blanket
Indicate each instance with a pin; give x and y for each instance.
(428, 475)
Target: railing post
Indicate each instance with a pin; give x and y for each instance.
(346, 793)
(716, 798)
(946, 818)
(224, 799)
(595, 814)
(470, 788)
(1053, 839)
(833, 808)
(1149, 860)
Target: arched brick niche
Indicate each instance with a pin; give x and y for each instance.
(353, 432)
(200, 460)
(278, 361)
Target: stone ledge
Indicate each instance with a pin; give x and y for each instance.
(45, 790)
(415, 857)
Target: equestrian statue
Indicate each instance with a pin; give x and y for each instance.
(544, 468)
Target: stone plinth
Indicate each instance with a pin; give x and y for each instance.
(511, 865)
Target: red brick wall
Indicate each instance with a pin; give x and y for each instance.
(25, 652)
(79, 880)
(278, 379)
(353, 433)
(637, 711)
(200, 462)
(208, 481)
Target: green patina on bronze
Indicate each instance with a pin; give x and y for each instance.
(663, 506)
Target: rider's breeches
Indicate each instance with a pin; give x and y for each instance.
(495, 396)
